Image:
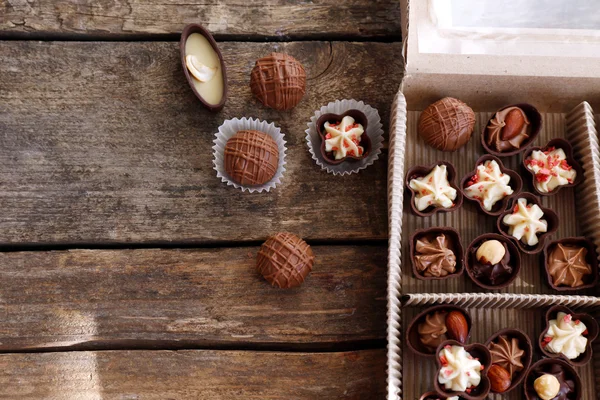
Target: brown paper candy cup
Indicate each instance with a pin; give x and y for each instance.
(420, 171)
(524, 344)
(534, 117)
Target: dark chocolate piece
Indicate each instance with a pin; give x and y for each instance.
(512, 350)
(499, 261)
(285, 260)
(251, 158)
(278, 81)
(491, 274)
(447, 124)
(569, 381)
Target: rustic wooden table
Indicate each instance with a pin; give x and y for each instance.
(127, 267)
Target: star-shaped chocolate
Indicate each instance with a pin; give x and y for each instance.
(434, 256)
(507, 354)
(567, 265)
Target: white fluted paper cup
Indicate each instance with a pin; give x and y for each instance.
(374, 131)
(229, 128)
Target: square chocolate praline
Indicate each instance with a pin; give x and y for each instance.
(456, 247)
(591, 280)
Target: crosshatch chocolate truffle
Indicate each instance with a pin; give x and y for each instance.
(278, 81)
(447, 124)
(285, 260)
(251, 158)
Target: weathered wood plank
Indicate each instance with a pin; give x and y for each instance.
(238, 18)
(193, 374)
(105, 142)
(200, 297)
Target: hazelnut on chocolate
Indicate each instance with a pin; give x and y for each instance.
(490, 252)
(547, 386)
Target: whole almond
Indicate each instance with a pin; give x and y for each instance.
(499, 379)
(457, 326)
(514, 122)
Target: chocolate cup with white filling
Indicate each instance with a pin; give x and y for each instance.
(516, 184)
(365, 141)
(591, 258)
(568, 149)
(514, 262)
(550, 216)
(187, 31)
(420, 171)
(543, 366)
(590, 324)
(534, 117)
(524, 344)
(412, 332)
(456, 247)
(476, 350)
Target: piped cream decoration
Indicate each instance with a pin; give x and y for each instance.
(433, 189)
(343, 139)
(565, 336)
(200, 71)
(460, 370)
(551, 169)
(489, 185)
(525, 222)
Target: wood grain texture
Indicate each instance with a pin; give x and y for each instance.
(105, 142)
(182, 298)
(215, 375)
(225, 18)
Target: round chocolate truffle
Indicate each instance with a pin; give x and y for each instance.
(278, 81)
(285, 260)
(447, 124)
(251, 158)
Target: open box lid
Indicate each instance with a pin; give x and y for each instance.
(490, 53)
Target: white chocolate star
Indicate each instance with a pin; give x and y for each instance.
(489, 185)
(551, 169)
(566, 336)
(433, 189)
(343, 139)
(525, 222)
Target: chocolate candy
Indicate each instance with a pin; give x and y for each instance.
(447, 124)
(251, 158)
(491, 264)
(285, 260)
(567, 265)
(278, 81)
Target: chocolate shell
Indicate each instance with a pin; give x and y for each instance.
(187, 31)
(477, 350)
(568, 149)
(447, 124)
(535, 119)
(251, 158)
(365, 141)
(420, 171)
(590, 324)
(524, 344)
(454, 244)
(475, 269)
(412, 332)
(278, 81)
(591, 258)
(516, 183)
(566, 372)
(431, 396)
(285, 260)
(549, 215)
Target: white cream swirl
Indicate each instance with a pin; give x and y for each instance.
(526, 222)
(460, 370)
(343, 138)
(565, 336)
(489, 185)
(551, 169)
(433, 189)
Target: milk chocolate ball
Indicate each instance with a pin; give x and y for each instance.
(251, 158)
(285, 260)
(447, 124)
(278, 81)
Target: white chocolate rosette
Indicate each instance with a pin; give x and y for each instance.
(565, 336)
(526, 222)
(347, 145)
(550, 169)
(488, 185)
(460, 371)
(433, 189)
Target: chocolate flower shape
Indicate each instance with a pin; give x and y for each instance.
(498, 275)
(478, 352)
(436, 253)
(571, 264)
(487, 187)
(568, 379)
(365, 142)
(571, 163)
(420, 171)
(498, 133)
(550, 216)
(592, 333)
(512, 350)
(413, 337)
